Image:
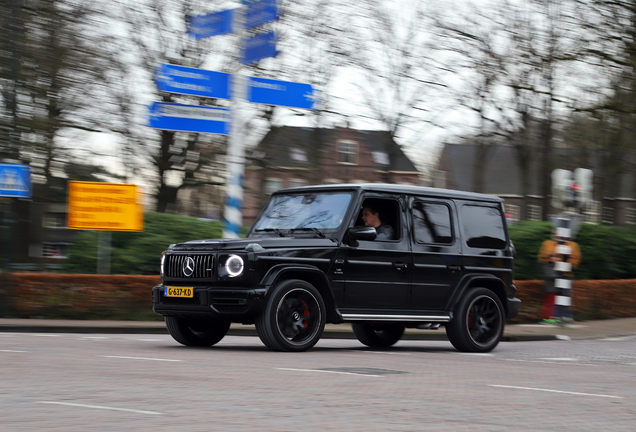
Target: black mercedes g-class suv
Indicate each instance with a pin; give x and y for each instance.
(309, 259)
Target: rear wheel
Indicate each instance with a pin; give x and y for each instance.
(196, 333)
(294, 317)
(378, 335)
(478, 323)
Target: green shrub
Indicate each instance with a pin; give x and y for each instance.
(607, 251)
(139, 252)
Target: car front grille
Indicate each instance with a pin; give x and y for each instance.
(203, 266)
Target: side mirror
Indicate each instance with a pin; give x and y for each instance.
(362, 233)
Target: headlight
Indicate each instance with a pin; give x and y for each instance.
(163, 259)
(234, 265)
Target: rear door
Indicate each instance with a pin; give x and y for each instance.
(437, 261)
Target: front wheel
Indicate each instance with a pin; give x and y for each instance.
(196, 333)
(478, 323)
(294, 317)
(378, 335)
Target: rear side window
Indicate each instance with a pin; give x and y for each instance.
(483, 227)
(432, 223)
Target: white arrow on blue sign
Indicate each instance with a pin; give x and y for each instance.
(15, 181)
(189, 118)
(259, 47)
(212, 24)
(191, 81)
(282, 93)
(260, 12)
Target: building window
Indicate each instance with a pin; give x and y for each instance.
(608, 215)
(54, 220)
(513, 212)
(380, 158)
(347, 152)
(272, 185)
(592, 213)
(53, 250)
(292, 183)
(298, 155)
(630, 216)
(534, 212)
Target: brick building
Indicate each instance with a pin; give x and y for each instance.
(296, 156)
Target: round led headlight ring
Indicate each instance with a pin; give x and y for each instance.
(234, 265)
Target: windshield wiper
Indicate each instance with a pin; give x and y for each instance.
(315, 230)
(274, 230)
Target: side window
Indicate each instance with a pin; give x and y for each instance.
(432, 223)
(387, 213)
(483, 227)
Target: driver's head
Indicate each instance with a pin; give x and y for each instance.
(371, 217)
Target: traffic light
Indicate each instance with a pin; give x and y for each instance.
(571, 191)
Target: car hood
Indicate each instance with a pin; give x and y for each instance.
(253, 244)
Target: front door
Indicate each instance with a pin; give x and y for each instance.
(377, 273)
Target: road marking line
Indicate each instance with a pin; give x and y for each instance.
(101, 407)
(143, 358)
(13, 351)
(565, 359)
(43, 334)
(550, 362)
(618, 339)
(95, 337)
(476, 354)
(148, 340)
(382, 352)
(327, 371)
(555, 391)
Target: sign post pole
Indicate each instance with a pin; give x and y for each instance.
(235, 162)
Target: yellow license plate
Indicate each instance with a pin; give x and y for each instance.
(178, 291)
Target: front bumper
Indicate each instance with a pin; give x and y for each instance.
(514, 304)
(215, 302)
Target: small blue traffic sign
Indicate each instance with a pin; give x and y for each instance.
(282, 93)
(259, 47)
(191, 81)
(260, 12)
(189, 118)
(212, 24)
(15, 181)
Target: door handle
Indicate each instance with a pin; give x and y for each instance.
(454, 268)
(400, 266)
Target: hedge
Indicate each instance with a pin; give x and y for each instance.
(123, 297)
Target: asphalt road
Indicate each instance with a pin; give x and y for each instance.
(103, 382)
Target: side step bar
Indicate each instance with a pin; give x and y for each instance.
(375, 317)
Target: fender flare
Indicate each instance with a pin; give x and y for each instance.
(468, 279)
(275, 274)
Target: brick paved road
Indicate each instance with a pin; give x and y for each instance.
(78, 382)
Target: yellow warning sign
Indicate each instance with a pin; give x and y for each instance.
(104, 206)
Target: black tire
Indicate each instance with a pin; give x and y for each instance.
(196, 333)
(294, 317)
(378, 335)
(478, 323)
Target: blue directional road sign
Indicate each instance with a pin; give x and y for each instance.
(212, 24)
(259, 47)
(191, 81)
(282, 93)
(189, 118)
(15, 181)
(260, 12)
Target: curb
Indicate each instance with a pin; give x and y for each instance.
(327, 334)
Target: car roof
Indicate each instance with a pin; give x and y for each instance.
(395, 189)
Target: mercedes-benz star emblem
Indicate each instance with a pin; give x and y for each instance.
(188, 266)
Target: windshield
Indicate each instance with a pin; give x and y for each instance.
(298, 211)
